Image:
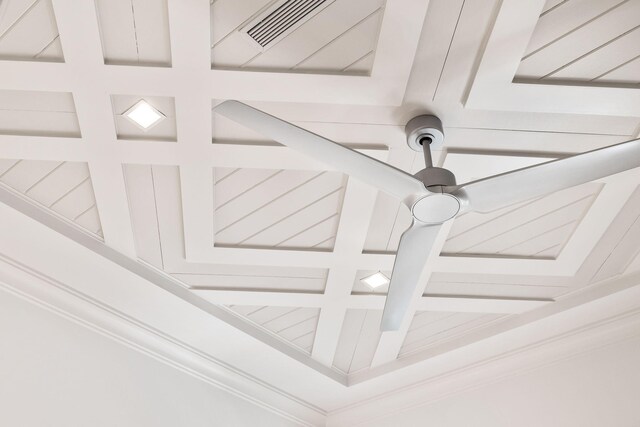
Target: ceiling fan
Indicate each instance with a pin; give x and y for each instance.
(432, 194)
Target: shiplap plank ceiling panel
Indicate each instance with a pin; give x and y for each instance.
(584, 40)
(28, 31)
(612, 256)
(295, 325)
(134, 32)
(63, 187)
(277, 208)
(165, 130)
(429, 328)
(38, 113)
(627, 72)
(538, 228)
(340, 38)
(346, 51)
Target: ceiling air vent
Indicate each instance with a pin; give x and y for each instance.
(282, 18)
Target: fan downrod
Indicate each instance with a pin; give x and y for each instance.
(424, 134)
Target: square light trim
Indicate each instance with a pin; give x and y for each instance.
(143, 115)
(375, 280)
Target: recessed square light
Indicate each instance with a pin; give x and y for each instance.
(143, 115)
(375, 280)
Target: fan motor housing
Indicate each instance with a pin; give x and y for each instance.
(433, 176)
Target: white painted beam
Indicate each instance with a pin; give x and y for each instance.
(189, 29)
(80, 40)
(455, 304)
(196, 183)
(359, 200)
(220, 154)
(108, 183)
(439, 303)
(261, 298)
(43, 148)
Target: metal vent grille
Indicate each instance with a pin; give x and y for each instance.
(283, 19)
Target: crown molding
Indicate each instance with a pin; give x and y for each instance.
(556, 348)
(56, 297)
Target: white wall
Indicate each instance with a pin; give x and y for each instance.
(54, 372)
(598, 389)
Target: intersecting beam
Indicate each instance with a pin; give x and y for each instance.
(81, 43)
(220, 154)
(222, 84)
(386, 86)
(190, 54)
(367, 261)
(494, 87)
(352, 232)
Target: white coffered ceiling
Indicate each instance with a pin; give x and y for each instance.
(277, 240)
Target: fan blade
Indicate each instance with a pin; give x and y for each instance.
(381, 175)
(488, 194)
(414, 250)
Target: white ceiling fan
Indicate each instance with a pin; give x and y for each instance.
(432, 194)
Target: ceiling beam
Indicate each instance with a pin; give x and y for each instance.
(439, 303)
(352, 232)
(81, 43)
(260, 298)
(190, 54)
(219, 154)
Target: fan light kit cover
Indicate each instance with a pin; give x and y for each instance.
(432, 195)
